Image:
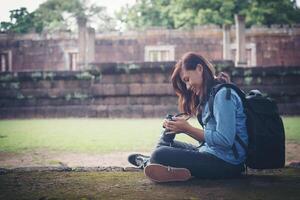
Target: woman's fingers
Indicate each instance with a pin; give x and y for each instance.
(164, 123)
(175, 125)
(171, 123)
(171, 126)
(168, 125)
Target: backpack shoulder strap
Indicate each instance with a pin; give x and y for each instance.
(228, 86)
(215, 90)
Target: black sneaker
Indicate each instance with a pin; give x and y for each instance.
(138, 160)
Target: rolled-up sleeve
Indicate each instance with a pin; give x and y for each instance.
(225, 116)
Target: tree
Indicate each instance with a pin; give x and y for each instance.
(54, 15)
(21, 21)
(146, 13)
(264, 12)
(190, 13)
(57, 14)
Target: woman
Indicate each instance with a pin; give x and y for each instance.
(193, 78)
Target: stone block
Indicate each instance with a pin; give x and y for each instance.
(108, 79)
(115, 111)
(44, 84)
(148, 89)
(109, 89)
(161, 111)
(168, 100)
(135, 78)
(135, 89)
(135, 111)
(161, 78)
(102, 111)
(125, 78)
(112, 100)
(147, 78)
(143, 100)
(125, 111)
(121, 89)
(61, 84)
(148, 111)
(97, 90)
(105, 90)
(164, 89)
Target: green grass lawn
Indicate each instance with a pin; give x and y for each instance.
(95, 135)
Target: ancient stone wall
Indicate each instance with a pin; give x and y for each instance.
(34, 52)
(130, 46)
(126, 90)
(264, 46)
(277, 46)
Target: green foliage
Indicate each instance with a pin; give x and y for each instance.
(48, 75)
(147, 13)
(21, 21)
(273, 12)
(20, 96)
(84, 76)
(190, 13)
(58, 15)
(36, 76)
(55, 15)
(6, 77)
(79, 95)
(14, 85)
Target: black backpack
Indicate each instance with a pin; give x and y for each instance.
(266, 137)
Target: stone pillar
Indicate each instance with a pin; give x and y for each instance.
(240, 40)
(91, 45)
(82, 41)
(226, 42)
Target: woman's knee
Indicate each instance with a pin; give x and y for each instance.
(160, 154)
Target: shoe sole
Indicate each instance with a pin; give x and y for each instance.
(160, 173)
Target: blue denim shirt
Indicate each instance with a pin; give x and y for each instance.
(219, 132)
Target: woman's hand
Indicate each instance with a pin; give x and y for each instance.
(179, 125)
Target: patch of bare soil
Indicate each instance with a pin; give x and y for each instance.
(292, 152)
(41, 158)
(284, 184)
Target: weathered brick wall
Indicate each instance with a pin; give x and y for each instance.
(35, 52)
(274, 46)
(126, 90)
(277, 50)
(130, 46)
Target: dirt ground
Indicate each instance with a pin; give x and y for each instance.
(279, 185)
(92, 184)
(41, 158)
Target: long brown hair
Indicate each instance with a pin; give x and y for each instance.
(188, 101)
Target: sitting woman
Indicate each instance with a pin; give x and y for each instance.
(193, 78)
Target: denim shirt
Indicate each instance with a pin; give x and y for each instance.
(219, 132)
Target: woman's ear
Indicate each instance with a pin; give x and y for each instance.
(199, 68)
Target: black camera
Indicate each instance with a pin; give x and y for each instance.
(168, 117)
(167, 135)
